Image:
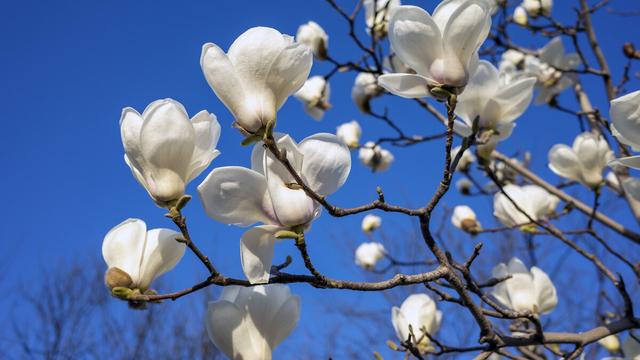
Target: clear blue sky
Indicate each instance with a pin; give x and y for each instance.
(69, 67)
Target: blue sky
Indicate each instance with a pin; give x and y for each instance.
(69, 67)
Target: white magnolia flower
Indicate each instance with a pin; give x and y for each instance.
(464, 186)
(368, 254)
(365, 88)
(536, 7)
(546, 67)
(256, 76)
(165, 150)
(248, 323)
(584, 161)
(464, 218)
(314, 36)
(625, 118)
(611, 343)
(315, 96)
(375, 157)
(520, 16)
(419, 311)
(532, 199)
(466, 159)
(135, 257)
(350, 134)
(393, 64)
(525, 290)
(442, 48)
(266, 194)
(371, 222)
(495, 104)
(377, 13)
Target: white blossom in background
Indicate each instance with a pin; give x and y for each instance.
(631, 348)
(368, 254)
(584, 162)
(520, 16)
(377, 13)
(250, 322)
(631, 186)
(536, 8)
(419, 311)
(611, 343)
(551, 81)
(314, 36)
(350, 133)
(365, 88)
(532, 199)
(165, 150)
(466, 159)
(442, 48)
(464, 186)
(525, 290)
(625, 119)
(314, 95)
(393, 64)
(135, 257)
(464, 218)
(266, 194)
(370, 223)
(494, 103)
(375, 157)
(256, 76)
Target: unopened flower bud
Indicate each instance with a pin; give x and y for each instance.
(116, 277)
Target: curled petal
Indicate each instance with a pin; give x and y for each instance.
(256, 252)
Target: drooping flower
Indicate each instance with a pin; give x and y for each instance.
(256, 76)
(368, 254)
(536, 8)
(526, 290)
(135, 257)
(532, 199)
(466, 159)
(250, 322)
(584, 162)
(377, 14)
(267, 193)
(375, 157)
(165, 150)
(419, 311)
(494, 103)
(548, 67)
(314, 36)
(315, 96)
(365, 88)
(350, 134)
(625, 119)
(464, 218)
(442, 48)
(371, 222)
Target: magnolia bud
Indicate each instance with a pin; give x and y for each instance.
(117, 278)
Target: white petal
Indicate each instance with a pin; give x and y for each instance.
(123, 247)
(207, 133)
(553, 52)
(520, 287)
(227, 329)
(161, 253)
(405, 85)
(564, 162)
(482, 85)
(625, 115)
(326, 162)
(632, 187)
(289, 71)
(130, 125)
(547, 297)
(256, 252)
(515, 98)
(466, 29)
(499, 291)
(236, 195)
(284, 321)
(400, 324)
(630, 161)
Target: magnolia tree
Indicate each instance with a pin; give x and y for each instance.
(458, 53)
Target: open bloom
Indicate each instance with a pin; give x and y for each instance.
(466, 159)
(442, 48)
(548, 68)
(371, 222)
(536, 7)
(494, 103)
(377, 13)
(135, 257)
(419, 311)
(314, 36)
(584, 161)
(625, 118)
(368, 254)
(525, 290)
(375, 157)
(315, 96)
(465, 218)
(350, 134)
(256, 76)
(248, 323)
(365, 88)
(165, 150)
(267, 193)
(532, 199)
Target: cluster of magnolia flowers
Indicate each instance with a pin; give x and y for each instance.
(436, 55)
